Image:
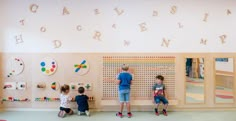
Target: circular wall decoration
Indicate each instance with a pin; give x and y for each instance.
(82, 68)
(55, 85)
(15, 66)
(48, 66)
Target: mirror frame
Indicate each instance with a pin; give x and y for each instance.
(214, 79)
(185, 84)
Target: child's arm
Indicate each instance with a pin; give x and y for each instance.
(164, 92)
(117, 82)
(153, 96)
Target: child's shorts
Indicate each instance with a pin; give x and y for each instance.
(162, 99)
(124, 95)
(67, 110)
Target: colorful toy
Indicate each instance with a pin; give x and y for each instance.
(55, 85)
(47, 99)
(48, 66)
(88, 86)
(82, 68)
(12, 99)
(15, 66)
(9, 85)
(73, 86)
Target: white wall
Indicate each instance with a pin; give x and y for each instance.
(225, 66)
(190, 13)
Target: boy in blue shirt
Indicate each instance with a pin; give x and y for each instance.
(82, 101)
(124, 80)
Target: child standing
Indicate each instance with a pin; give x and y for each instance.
(82, 101)
(65, 99)
(159, 94)
(124, 80)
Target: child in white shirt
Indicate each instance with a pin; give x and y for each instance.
(65, 100)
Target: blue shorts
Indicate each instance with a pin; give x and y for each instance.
(162, 99)
(124, 95)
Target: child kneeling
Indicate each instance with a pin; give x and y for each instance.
(82, 101)
(159, 94)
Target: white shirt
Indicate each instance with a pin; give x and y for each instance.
(65, 100)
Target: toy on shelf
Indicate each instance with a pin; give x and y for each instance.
(15, 85)
(91, 98)
(41, 85)
(12, 99)
(48, 66)
(82, 68)
(47, 99)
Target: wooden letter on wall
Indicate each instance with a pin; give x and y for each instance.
(228, 12)
(180, 25)
(65, 11)
(222, 38)
(96, 11)
(143, 27)
(173, 10)
(203, 41)
(114, 26)
(119, 12)
(79, 28)
(43, 29)
(97, 35)
(22, 22)
(155, 13)
(165, 42)
(19, 39)
(57, 43)
(34, 8)
(205, 17)
(126, 43)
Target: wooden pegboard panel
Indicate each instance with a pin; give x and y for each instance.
(144, 70)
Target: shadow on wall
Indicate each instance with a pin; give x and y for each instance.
(2, 43)
(1, 79)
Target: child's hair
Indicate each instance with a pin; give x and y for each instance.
(81, 90)
(64, 88)
(125, 67)
(160, 77)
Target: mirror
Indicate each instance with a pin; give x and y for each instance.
(194, 80)
(224, 77)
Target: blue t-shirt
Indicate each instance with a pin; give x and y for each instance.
(125, 80)
(82, 101)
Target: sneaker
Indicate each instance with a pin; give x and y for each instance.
(59, 114)
(129, 115)
(164, 113)
(87, 113)
(119, 114)
(78, 113)
(62, 114)
(156, 112)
